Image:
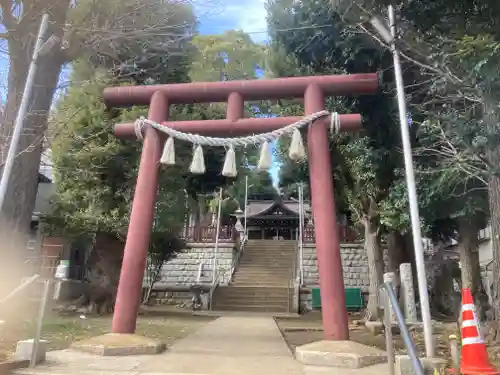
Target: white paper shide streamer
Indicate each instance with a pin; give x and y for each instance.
(266, 158)
(229, 169)
(168, 154)
(296, 152)
(198, 163)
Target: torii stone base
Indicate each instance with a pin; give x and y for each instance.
(119, 344)
(343, 354)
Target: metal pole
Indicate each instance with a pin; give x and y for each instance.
(217, 228)
(246, 205)
(22, 112)
(389, 345)
(301, 221)
(39, 322)
(455, 357)
(19, 288)
(412, 192)
(405, 335)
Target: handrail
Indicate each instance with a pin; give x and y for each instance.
(392, 301)
(214, 286)
(215, 271)
(20, 288)
(200, 272)
(301, 234)
(236, 259)
(217, 234)
(216, 275)
(291, 284)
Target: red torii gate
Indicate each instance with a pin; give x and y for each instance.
(159, 97)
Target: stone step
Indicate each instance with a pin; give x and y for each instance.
(275, 245)
(290, 242)
(263, 270)
(237, 299)
(262, 276)
(261, 304)
(245, 285)
(264, 266)
(268, 256)
(261, 281)
(252, 308)
(270, 250)
(250, 289)
(258, 283)
(253, 297)
(259, 270)
(269, 264)
(264, 249)
(242, 300)
(266, 261)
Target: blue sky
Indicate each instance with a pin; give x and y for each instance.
(216, 16)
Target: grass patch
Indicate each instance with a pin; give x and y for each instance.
(61, 331)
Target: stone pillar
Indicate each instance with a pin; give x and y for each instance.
(389, 277)
(408, 293)
(128, 297)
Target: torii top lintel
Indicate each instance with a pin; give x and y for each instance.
(279, 88)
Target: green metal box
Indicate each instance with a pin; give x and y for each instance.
(353, 299)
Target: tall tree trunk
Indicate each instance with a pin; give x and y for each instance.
(396, 251)
(373, 248)
(21, 192)
(22, 189)
(491, 121)
(103, 274)
(400, 250)
(494, 197)
(469, 261)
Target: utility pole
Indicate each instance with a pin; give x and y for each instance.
(390, 37)
(40, 49)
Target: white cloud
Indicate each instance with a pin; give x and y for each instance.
(216, 16)
(251, 17)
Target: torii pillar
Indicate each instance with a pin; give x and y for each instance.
(313, 90)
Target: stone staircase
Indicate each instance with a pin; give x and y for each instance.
(262, 281)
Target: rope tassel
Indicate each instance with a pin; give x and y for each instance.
(198, 164)
(266, 158)
(229, 169)
(297, 150)
(168, 155)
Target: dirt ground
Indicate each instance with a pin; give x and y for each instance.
(308, 328)
(61, 330)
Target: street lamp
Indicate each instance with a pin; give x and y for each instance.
(390, 37)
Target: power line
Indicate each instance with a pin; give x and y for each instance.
(279, 30)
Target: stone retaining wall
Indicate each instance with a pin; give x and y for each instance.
(354, 264)
(183, 269)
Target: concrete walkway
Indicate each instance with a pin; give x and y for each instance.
(230, 345)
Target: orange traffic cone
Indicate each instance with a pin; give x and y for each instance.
(474, 355)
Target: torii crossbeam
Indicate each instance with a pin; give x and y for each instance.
(159, 97)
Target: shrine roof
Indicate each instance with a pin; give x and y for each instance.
(259, 208)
